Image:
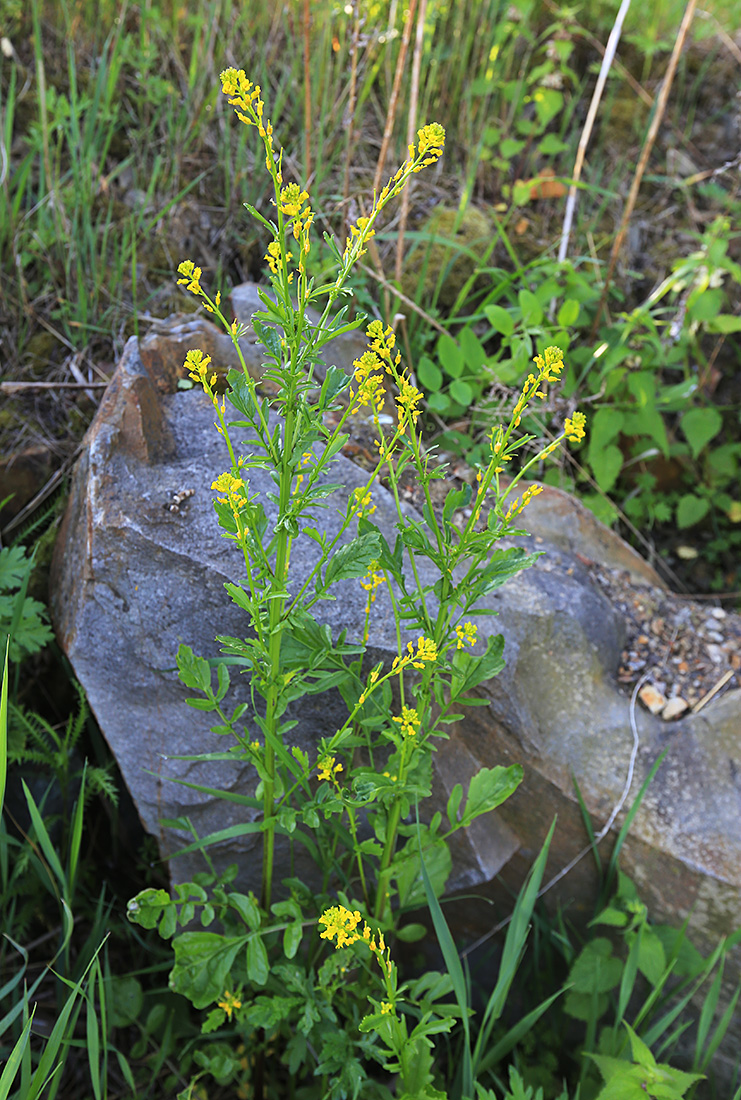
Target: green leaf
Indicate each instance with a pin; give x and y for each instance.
(691, 509)
(353, 559)
(568, 314)
(604, 426)
(700, 426)
(193, 671)
(500, 319)
(606, 463)
(429, 375)
(461, 392)
(651, 957)
(725, 323)
(203, 962)
(258, 967)
(406, 869)
(489, 788)
(450, 356)
(454, 801)
(473, 350)
(411, 933)
(124, 1000)
(707, 305)
(532, 311)
(595, 969)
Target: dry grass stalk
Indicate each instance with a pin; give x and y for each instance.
(661, 102)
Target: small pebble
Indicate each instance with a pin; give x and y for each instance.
(674, 708)
(715, 653)
(652, 699)
(718, 613)
(713, 636)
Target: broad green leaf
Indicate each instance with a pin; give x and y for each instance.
(651, 957)
(461, 392)
(429, 374)
(707, 305)
(595, 969)
(473, 350)
(500, 319)
(489, 788)
(725, 323)
(203, 962)
(406, 869)
(568, 314)
(604, 426)
(193, 671)
(700, 426)
(691, 510)
(258, 967)
(353, 559)
(450, 356)
(606, 464)
(124, 1000)
(532, 311)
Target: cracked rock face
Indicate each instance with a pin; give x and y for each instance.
(140, 566)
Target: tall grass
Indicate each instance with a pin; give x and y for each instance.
(108, 120)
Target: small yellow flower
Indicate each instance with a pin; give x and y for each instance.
(407, 402)
(518, 506)
(426, 651)
(466, 635)
(340, 924)
(362, 504)
(292, 199)
(387, 1008)
(229, 1002)
(409, 721)
(192, 277)
(574, 427)
(430, 142)
(370, 582)
(327, 769)
(196, 363)
(273, 256)
(549, 364)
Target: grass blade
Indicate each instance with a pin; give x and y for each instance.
(4, 727)
(455, 969)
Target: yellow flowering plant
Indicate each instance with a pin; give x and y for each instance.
(348, 807)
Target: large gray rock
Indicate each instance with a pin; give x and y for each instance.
(133, 579)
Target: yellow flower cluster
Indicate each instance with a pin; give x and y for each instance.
(426, 653)
(517, 506)
(370, 391)
(340, 925)
(409, 721)
(381, 356)
(196, 363)
(430, 143)
(191, 276)
(362, 504)
(549, 365)
(574, 427)
(466, 635)
(328, 770)
(371, 581)
(229, 1002)
(234, 488)
(244, 97)
(358, 230)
